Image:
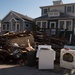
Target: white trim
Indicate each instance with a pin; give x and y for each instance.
(6, 16)
(52, 14)
(13, 19)
(11, 26)
(5, 27)
(43, 11)
(71, 9)
(53, 30)
(65, 24)
(23, 25)
(41, 23)
(17, 15)
(16, 26)
(46, 23)
(12, 23)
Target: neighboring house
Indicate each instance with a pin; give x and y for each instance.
(57, 18)
(0, 25)
(16, 22)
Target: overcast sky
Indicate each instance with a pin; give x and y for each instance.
(25, 7)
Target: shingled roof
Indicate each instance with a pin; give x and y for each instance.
(62, 16)
(24, 17)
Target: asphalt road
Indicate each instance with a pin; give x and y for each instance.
(24, 70)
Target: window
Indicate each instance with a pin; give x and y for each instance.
(65, 24)
(68, 25)
(39, 24)
(7, 26)
(69, 8)
(43, 24)
(62, 25)
(27, 25)
(53, 14)
(52, 25)
(14, 26)
(4, 26)
(56, 13)
(18, 27)
(44, 11)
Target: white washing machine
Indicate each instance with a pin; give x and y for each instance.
(67, 57)
(46, 57)
(42, 46)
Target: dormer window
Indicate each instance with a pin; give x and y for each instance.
(53, 14)
(69, 9)
(45, 11)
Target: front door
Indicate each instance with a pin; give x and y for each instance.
(18, 27)
(52, 28)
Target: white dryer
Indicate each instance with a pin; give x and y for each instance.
(67, 57)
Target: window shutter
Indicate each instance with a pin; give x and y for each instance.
(73, 8)
(65, 9)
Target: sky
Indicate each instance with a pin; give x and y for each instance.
(25, 7)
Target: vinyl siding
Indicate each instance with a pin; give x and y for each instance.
(9, 17)
(61, 8)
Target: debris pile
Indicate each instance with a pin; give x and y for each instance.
(15, 43)
(26, 42)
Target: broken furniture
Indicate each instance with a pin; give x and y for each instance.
(67, 57)
(46, 57)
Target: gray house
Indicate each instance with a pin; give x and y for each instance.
(57, 18)
(16, 22)
(0, 25)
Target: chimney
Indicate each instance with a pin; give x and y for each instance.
(57, 2)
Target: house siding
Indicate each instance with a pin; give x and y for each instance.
(74, 8)
(9, 17)
(61, 8)
(17, 22)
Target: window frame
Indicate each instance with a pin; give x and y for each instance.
(6, 29)
(65, 25)
(53, 14)
(41, 26)
(17, 24)
(54, 24)
(69, 11)
(44, 13)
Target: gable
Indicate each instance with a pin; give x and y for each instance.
(8, 17)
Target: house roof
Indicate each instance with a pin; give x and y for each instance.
(24, 17)
(62, 16)
(19, 16)
(57, 5)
